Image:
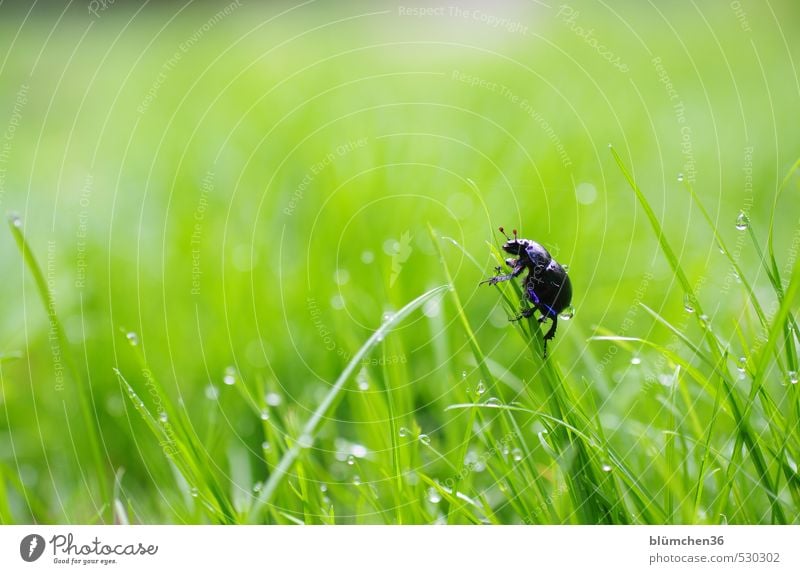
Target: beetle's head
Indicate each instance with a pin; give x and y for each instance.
(526, 249)
(515, 246)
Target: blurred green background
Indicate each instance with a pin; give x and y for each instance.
(245, 188)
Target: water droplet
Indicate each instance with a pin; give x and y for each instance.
(361, 380)
(367, 257)
(387, 316)
(163, 416)
(404, 432)
(424, 439)
(793, 377)
(432, 307)
(742, 221)
(481, 388)
(351, 460)
(305, 441)
(265, 446)
(433, 496)
(567, 313)
(680, 178)
(687, 304)
(741, 364)
(606, 468)
(357, 480)
(257, 487)
(463, 375)
(194, 492)
(337, 302)
(636, 361)
(493, 402)
(230, 376)
(212, 392)
(273, 399)
(516, 454)
(15, 220)
(359, 450)
(133, 338)
(323, 487)
(265, 415)
(341, 276)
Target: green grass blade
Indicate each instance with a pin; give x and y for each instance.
(310, 428)
(83, 392)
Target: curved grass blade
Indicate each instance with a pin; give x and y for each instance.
(310, 428)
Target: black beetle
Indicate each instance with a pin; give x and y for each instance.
(547, 285)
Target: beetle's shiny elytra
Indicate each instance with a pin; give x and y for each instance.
(547, 285)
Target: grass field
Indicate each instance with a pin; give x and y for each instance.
(240, 275)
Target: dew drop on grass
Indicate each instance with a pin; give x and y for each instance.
(481, 388)
(15, 220)
(265, 446)
(742, 221)
(361, 380)
(163, 416)
(194, 492)
(463, 375)
(687, 304)
(636, 361)
(680, 178)
(433, 496)
(212, 392)
(567, 314)
(424, 439)
(741, 364)
(793, 377)
(257, 487)
(351, 460)
(273, 399)
(387, 316)
(606, 468)
(404, 432)
(323, 487)
(305, 441)
(357, 480)
(229, 378)
(493, 402)
(516, 454)
(133, 338)
(265, 415)
(367, 257)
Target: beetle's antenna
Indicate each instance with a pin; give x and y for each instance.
(515, 234)
(503, 231)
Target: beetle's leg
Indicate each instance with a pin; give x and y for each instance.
(498, 278)
(553, 326)
(524, 313)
